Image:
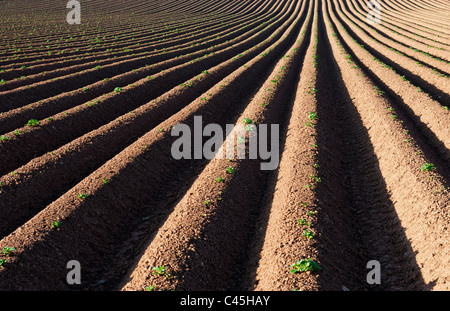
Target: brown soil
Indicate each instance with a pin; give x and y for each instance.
(358, 119)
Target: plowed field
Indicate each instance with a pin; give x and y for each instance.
(87, 172)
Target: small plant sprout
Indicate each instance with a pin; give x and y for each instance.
(249, 128)
(220, 180)
(312, 90)
(207, 202)
(161, 270)
(240, 141)
(312, 116)
(2, 262)
(426, 167)
(150, 288)
(4, 138)
(303, 222)
(305, 265)
(308, 234)
(378, 90)
(82, 196)
(33, 123)
(247, 121)
(118, 89)
(105, 181)
(230, 170)
(56, 224)
(7, 250)
(317, 179)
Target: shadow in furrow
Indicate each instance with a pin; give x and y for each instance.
(429, 143)
(356, 217)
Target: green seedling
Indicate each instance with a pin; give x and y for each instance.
(378, 90)
(241, 140)
(220, 180)
(310, 213)
(312, 116)
(56, 224)
(33, 123)
(150, 288)
(312, 91)
(118, 89)
(318, 179)
(188, 84)
(8, 250)
(4, 138)
(161, 270)
(247, 121)
(230, 170)
(249, 128)
(2, 262)
(426, 167)
(308, 234)
(82, 196)
(305, 265)
(303, 222)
